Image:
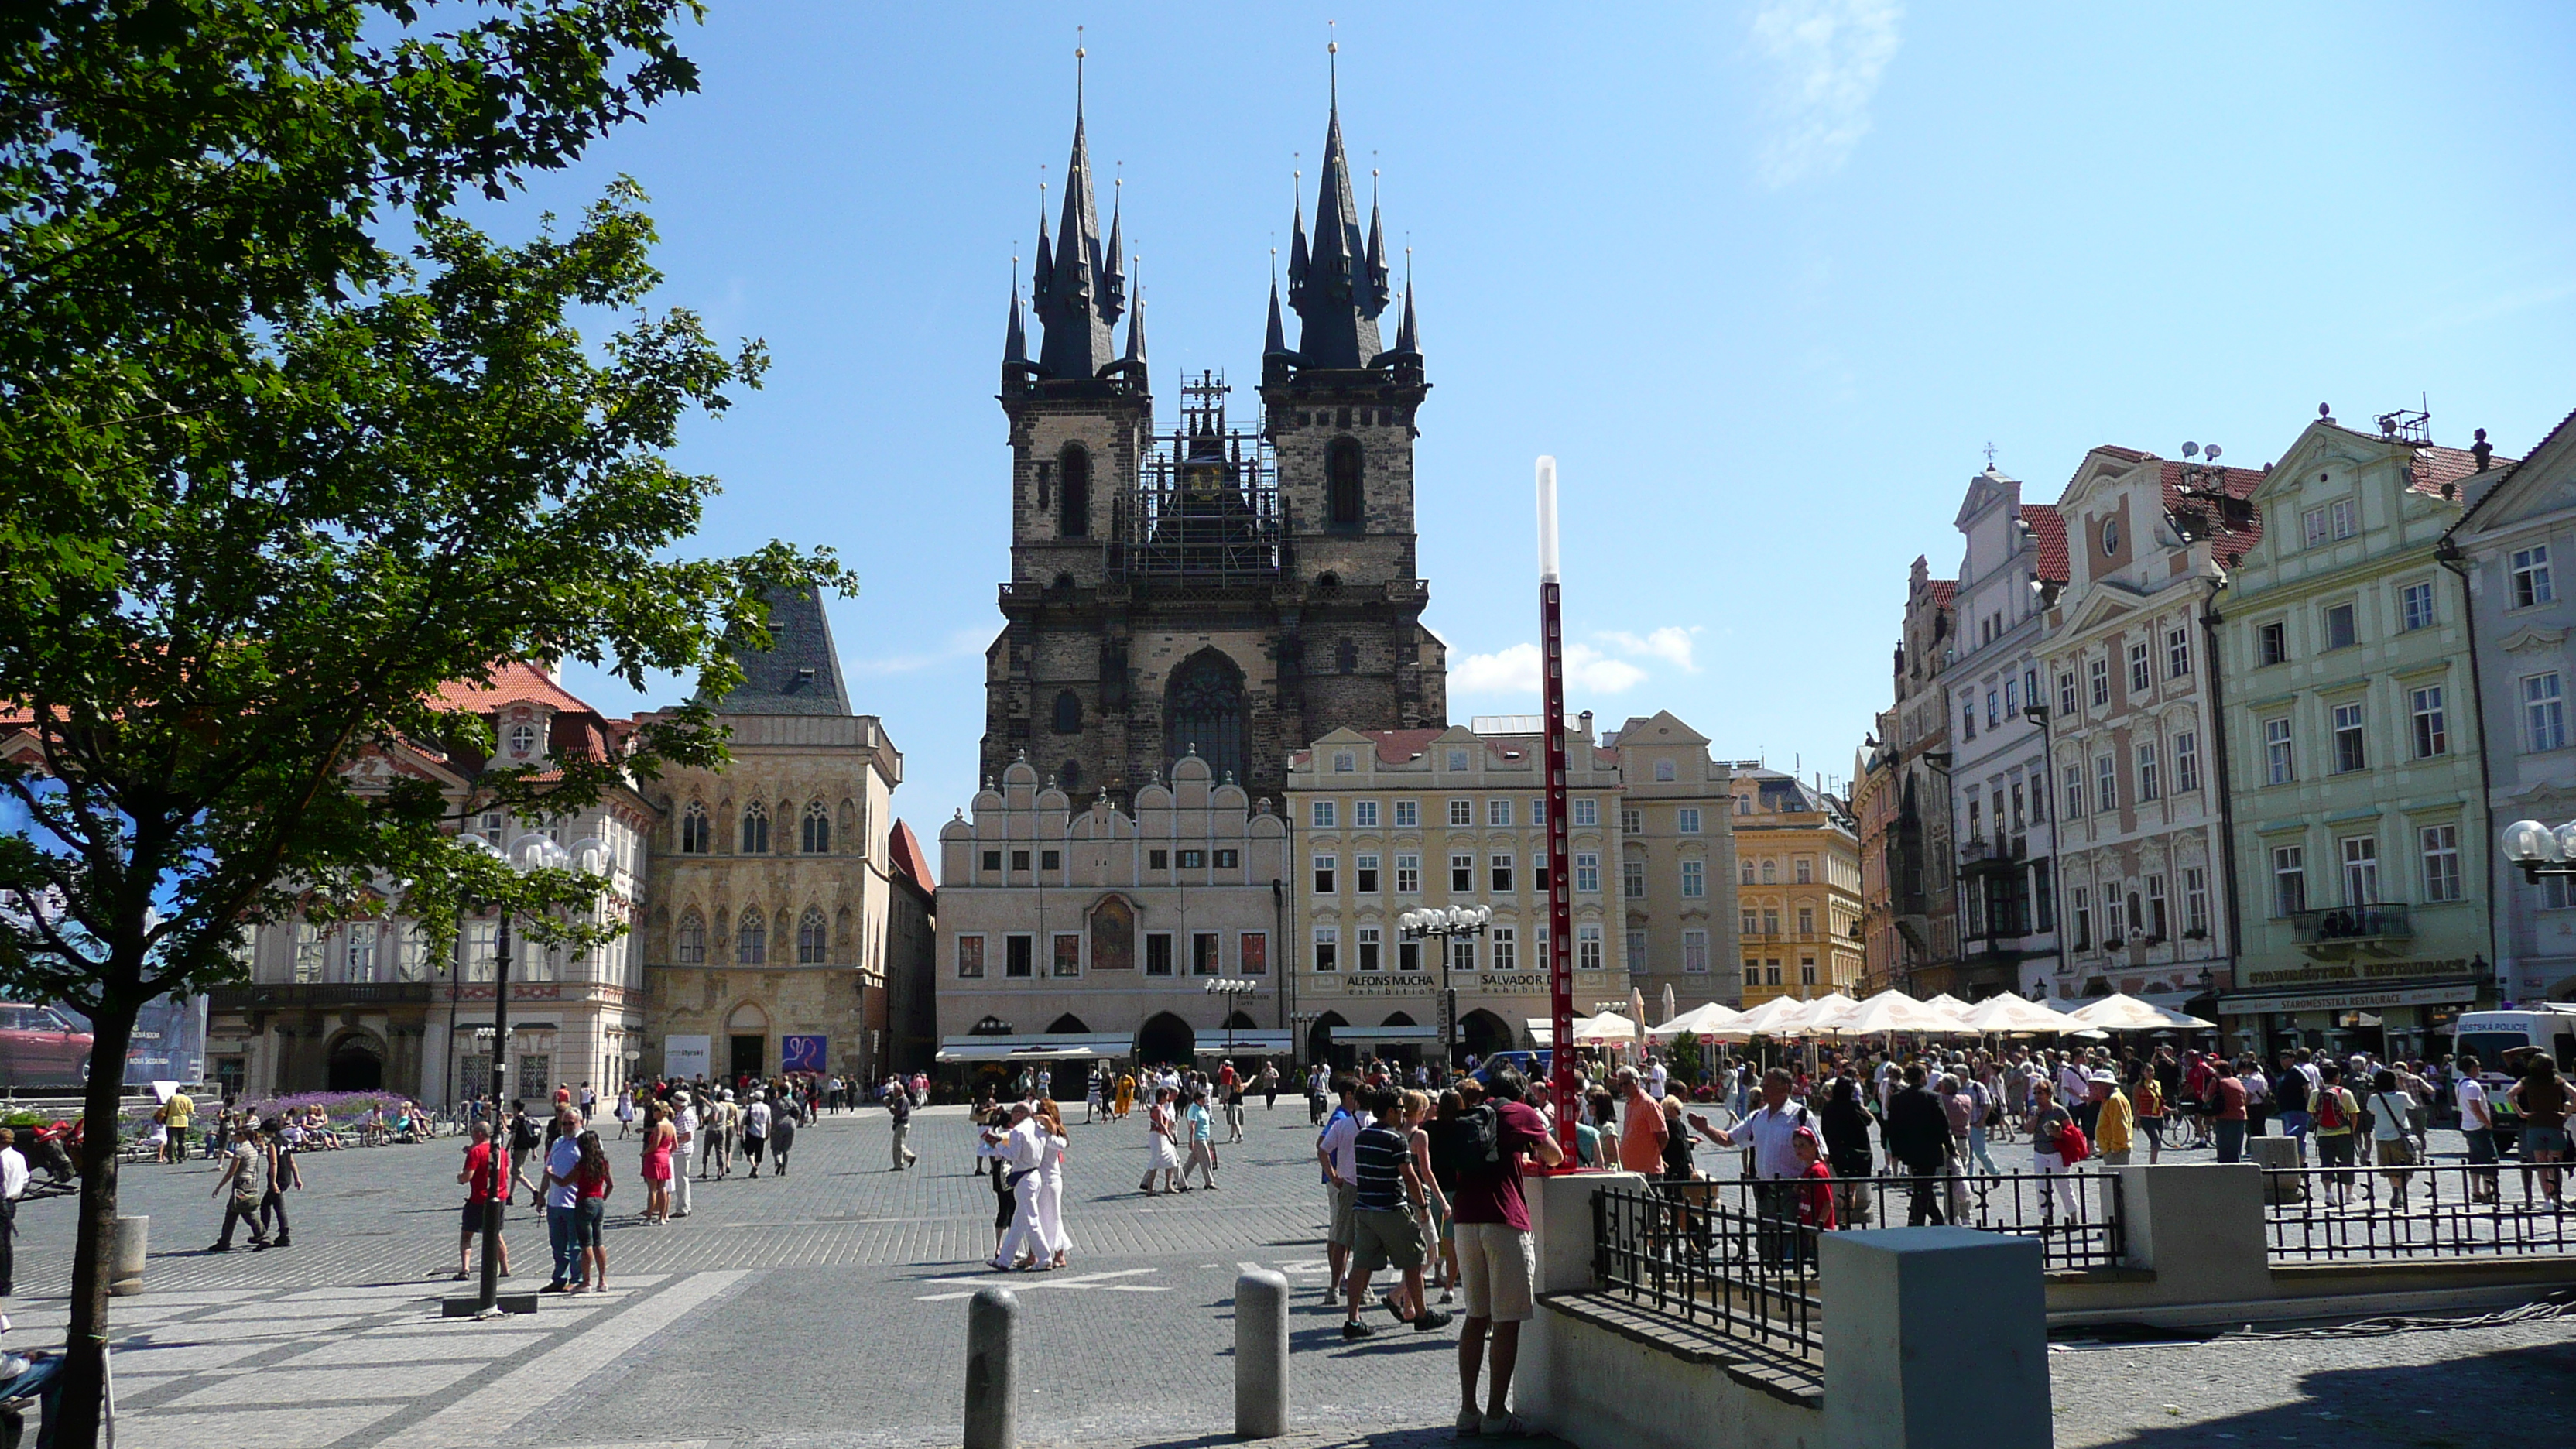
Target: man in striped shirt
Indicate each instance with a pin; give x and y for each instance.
(1383, 1206)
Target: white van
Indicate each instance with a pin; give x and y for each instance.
(2549, 1026)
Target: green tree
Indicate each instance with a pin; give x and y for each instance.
(285, 446)
(1686, 1061)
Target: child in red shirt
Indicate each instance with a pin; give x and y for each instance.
(1815, 1188)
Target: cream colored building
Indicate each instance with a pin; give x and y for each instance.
(1798, 901)
(773, 878)
(1389, 821)
(1065, 925)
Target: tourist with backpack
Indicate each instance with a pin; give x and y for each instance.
(2057, 1145)
(2336, 1113)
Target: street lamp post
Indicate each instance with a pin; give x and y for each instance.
(1230, 988)
(1445, 924)
(2541, 854)
(632, 1057)
(533, 853)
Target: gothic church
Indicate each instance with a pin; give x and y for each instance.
(1208, 589)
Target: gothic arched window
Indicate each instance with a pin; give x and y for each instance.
(755, 829)
(689, 943)
(1069, 778)
(810, 938)
(1068, 713)
(1073, 495)
(818, 829)
(751, 939)
(1346, 657)
(1343, 494)
(697, 836)
(1204, 712)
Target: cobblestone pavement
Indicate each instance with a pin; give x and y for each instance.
(826, 1311)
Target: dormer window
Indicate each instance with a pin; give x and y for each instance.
(2110, 537)
(523, 740)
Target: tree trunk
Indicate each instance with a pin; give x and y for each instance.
(85, 1343)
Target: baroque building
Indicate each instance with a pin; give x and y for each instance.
(2518, 535)
(1215, 590)
(1910, 924)
(774, 881)
(1798, 887)
(2359, 815)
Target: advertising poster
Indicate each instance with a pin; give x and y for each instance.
(804, 1054)
(686, 1056)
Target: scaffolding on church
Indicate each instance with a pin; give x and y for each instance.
(1205, 514)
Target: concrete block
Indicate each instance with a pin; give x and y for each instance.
(1895, 1377)
(2281, 1152)
(1561, 1225)
(2198, 1227)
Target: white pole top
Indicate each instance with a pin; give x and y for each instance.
(1546, 519)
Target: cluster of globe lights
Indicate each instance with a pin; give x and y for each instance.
(2530, 843)
(1445, 920)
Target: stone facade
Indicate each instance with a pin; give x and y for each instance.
(1798, 887)
(1911, 921)
(1999, 780)
(363, 1004)
(1094, 929)
(773, 880)
(1677, 854)
(2140, 810)
(2516, 546)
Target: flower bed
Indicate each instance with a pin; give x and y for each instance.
(344, 1109)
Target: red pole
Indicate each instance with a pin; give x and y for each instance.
(1560, 902)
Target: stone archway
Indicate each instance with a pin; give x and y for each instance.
(1482, 1033)
(1166, 1038)
(747, 1041)
(355, 1063)
(1319, 1037)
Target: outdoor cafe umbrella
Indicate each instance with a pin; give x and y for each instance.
(1708, 1020)
(1668, 1002)
(2120, 1011)
(2010, 1015)
(1607, 1029)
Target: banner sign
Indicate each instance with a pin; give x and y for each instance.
(685, 1056)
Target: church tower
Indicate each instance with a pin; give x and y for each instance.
(1212, 589)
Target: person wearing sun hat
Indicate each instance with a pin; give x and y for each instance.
(2113, 1119)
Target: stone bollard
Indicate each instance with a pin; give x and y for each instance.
(1261, 1354)
(2278, 1152)
(133, 1239)
(992, 1385)
(1892, 1306)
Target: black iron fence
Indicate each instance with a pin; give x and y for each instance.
(2075, 1215)
(2445, 1210)
(1691, 1256)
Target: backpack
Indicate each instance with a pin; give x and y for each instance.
(2330, 1110)
(1468, 1142)
(523, 1134)
(2072, 1145)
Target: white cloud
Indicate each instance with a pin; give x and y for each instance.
(1827, 57)
(1671, 642)
(963, 644)
(1515, 671)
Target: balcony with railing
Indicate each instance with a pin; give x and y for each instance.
(318, 995)
(2344, 930)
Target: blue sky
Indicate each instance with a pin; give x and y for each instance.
(1766, 276)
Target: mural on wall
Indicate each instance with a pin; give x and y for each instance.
(804, 1054)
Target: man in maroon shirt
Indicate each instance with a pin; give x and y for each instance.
(1491, 1228)
(2227, 1095)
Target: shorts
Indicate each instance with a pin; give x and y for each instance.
(2481, 1144)
(2542, 1139)
(2154, 1127)
(1343, 1234)
(1495, 1269)
(751, 1147)
(1383, 1236)
(2394, 1152)
(588, 1215)
(473, 1218)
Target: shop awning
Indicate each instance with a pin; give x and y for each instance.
(986, 1052)
(2460, 991)
(1222, 1043)
(1069, 1047)
(1385, 1033)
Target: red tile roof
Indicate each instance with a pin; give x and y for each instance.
(2048, 531)
(908, 857)
(1394, 747)
(510, 680)
(2233, 537)
(1943, 591)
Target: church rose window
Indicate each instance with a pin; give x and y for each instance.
(1205, 714)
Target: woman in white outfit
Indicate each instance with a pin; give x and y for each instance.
(1162, 1147)
(1052, 1238)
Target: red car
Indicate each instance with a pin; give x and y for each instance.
(40, 1047)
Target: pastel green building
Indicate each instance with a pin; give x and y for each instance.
(2354, 797)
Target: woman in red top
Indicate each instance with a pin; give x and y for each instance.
(659, 1138)
(591, 1186)
(1815, 1184)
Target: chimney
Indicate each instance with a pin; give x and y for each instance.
(2482, 450)
(1586, 719)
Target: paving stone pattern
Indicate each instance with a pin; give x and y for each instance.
(826, 1311)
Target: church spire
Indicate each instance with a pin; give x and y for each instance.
(1015, 342)
(1113, 276)
(1136, 335)
(1074, 300)
(1275, 341)
(1340, 290)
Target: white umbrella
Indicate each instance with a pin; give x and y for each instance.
(1706, 1020)
(1606, 1029)
(2009, 1015)
(2120, 1011)
(1893, 1011)
(1668, 1002)
(1827, 1012)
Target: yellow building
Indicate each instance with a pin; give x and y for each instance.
(1798, 901)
